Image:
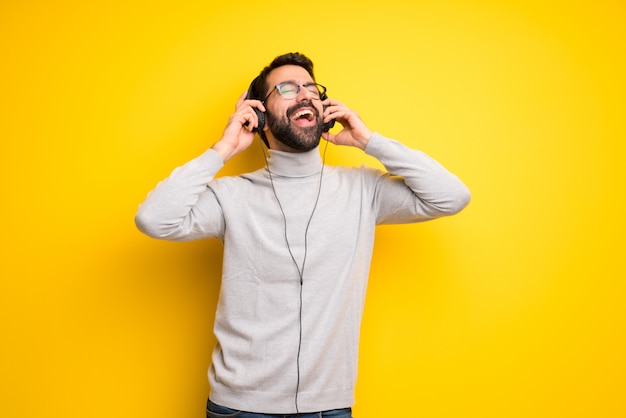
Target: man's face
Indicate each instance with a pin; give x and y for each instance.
(296, 123)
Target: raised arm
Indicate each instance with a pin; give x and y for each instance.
(416, 186)
(181, 207)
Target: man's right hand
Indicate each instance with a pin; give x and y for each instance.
(238, 134)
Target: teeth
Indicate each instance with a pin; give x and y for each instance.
(303, 113)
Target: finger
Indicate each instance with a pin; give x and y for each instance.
(250, 103)
(332, 102)
(252, 119)
(247, 120)
(243, 118)
(335, 106)
(337, 114)
(260, 105)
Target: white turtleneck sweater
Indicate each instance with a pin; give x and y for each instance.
(283, 327)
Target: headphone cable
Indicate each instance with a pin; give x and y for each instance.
(300, 270)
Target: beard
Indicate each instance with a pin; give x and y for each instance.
(296, 137)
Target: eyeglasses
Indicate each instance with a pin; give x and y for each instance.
(290, 90)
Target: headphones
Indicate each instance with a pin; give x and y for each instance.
(261, 115)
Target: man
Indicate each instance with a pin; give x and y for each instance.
(298, 238)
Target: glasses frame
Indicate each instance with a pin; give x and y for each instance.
(320, 88)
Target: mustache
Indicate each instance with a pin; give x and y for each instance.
(293, 109)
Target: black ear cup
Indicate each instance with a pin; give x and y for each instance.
(330, 124)
(260, 115)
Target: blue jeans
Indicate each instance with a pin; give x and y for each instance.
(218, 411)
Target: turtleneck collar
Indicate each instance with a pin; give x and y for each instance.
(295, 164)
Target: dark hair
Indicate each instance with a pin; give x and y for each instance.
(292, 58)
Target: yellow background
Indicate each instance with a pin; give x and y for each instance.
(513, 308)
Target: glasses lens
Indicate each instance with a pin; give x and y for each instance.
(288, 90)
(315, 89)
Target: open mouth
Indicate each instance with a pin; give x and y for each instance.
(304, 117)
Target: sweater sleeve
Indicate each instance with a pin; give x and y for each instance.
(182, 207)
(416, 187)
